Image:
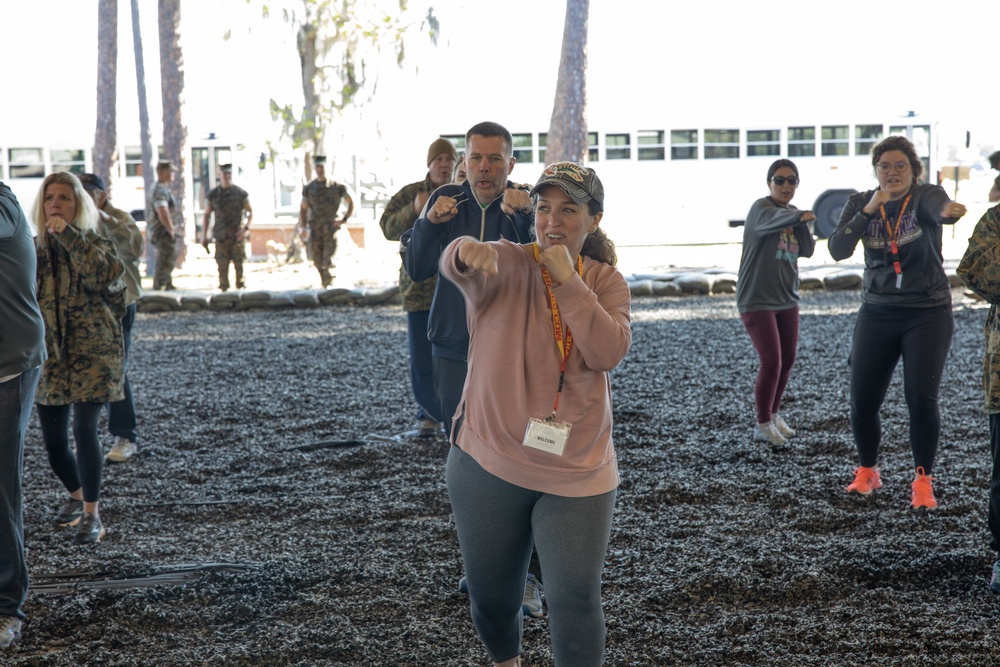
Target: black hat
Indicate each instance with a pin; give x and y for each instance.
(319, 159)
(165, 164)
(92, 182)
(226, 167)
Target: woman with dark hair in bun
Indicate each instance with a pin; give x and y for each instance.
(775, 235)
(905, 308)
(534, 461)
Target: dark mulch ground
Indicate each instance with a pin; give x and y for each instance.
(724, 551)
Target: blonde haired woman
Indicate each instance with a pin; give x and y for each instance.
(83, 338)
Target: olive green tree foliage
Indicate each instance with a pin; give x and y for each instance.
(145, 134)
(339, 43)
(106, 135)
(172, 92)
(567, 138)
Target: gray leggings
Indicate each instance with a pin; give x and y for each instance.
(495, 522)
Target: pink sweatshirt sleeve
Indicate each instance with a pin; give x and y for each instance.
(599, 316)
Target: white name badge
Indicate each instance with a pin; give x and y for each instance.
(548, 436)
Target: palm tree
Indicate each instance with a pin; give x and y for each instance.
(567, 138)
(106, 135)
(172, 91)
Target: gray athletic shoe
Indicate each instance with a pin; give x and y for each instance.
(10, 630)
(995, 580)
(70, 514)
(532, 603)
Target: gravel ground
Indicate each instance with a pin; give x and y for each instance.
(272, 518)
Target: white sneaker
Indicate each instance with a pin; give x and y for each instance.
(10, 630)
(783, 428)
(769, 433)
(122, 450)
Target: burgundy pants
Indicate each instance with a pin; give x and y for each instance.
(775, 336)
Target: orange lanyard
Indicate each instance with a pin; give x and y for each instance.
(893, 233)
(565, 345)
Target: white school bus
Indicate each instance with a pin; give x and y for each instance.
(689, 183)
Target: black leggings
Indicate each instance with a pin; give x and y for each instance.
(883, 334)
(85, 467)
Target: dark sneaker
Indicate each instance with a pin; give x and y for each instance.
(428, 428)
(90, 530)
(70, 513)
(995, 580)
(532, 603)
(10, 630)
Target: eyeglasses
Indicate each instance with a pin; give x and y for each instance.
(780, 180)
(898, 167)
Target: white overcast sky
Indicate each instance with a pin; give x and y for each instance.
(649, 64)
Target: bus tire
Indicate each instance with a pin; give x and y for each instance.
(828, 209)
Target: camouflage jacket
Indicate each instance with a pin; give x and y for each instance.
(227, 205)
(396, 219)
(980, 271)
(125, 235)
(161, 192)
(82, 337)
(323, 200)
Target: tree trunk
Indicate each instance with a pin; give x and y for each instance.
(311, 86)
(145, 134)
(172, 91)
(106, 134)
(567, 138)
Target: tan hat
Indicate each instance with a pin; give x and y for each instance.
(441, 145)
(165, 164)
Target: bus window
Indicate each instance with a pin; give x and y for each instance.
(834, 140)
(651, 145)
(522, 147)
(763, 142)
(802, 142)
(26, 163)
(543, 141)
(69, 159)
(683, 144)
(618, 146)
(592, 151)
(133, 161)
(865, 138)
(457, 139)
(722, 144)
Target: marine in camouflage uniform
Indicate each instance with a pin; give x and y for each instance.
(321, 201)
(161, 236)
(980, 271)
(228, 202)
(399, 215)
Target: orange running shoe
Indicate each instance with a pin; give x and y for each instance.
(923, 494)
(865, 481)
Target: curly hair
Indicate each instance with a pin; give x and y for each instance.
(86, 211)
(598, 245)
(903, 145)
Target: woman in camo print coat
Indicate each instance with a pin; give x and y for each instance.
(83, 338)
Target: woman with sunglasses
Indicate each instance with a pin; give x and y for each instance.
(905, 308)
(775, 235)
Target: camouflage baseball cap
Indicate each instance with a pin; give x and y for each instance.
(579, 182)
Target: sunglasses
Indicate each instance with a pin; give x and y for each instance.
(780, 180)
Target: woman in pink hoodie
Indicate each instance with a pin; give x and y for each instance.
(534, 460)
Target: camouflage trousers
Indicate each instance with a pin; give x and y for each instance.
(226, 252)
(166, 257)
(322, 246)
